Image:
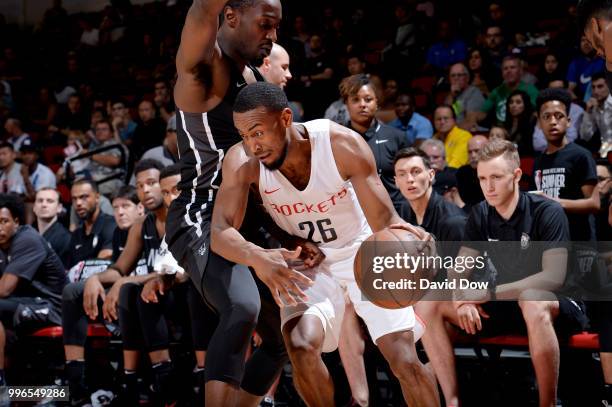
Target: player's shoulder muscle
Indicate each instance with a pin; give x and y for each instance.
(351, 152)
(239, 167)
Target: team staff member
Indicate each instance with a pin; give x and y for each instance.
(423, 206)
(510, 215)
(32, 275)
(359, 94)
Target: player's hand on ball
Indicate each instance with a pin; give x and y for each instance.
(311, 255)
(283, 281)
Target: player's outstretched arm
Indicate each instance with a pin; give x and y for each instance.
(230, 208)
(199, 35)
(198, 48)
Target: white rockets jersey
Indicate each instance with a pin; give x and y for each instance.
(327, 210)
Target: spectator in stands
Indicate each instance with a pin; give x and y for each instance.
(598, 116)
(494, 44)
(566, 171)
(72, 116)
(455, 139)
(32, 276)
(316, 79)
(465, 99)
(467, 177)
(35, 176)
(150, 130)
(11, 174)
(448, 50)
(275, 67)
(90, 36)
(106, 163)
(520, 122)
(167, 153)
(582, 68)
(122, 122)
(400, 54)
(163, 99)
(43, 110)
(47, 208)
(576, 116)
(337, 111)
(517, 274)
(550, 70)
(434, 149)
(499, 133)
(16, 134)
(94, 237)
(512, 72)
(423, 206)
(361, 100)
(484, 75)
(415, 126)
(386, 112)
(603, 219)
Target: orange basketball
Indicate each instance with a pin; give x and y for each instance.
(392, 268)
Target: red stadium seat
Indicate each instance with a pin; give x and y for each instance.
(527, 165)
(424, 83)
(52, 332)
(584, 340)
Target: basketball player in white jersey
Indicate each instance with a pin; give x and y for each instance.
(314, 179)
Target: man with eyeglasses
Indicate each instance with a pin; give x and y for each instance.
(122, 122)
(455, 139)
(465, 99)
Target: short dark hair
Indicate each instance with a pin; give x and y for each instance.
(88, 181)
(147, 164)
(551, 94)
(588, 9)
(15, 206)
(445, 106)
(240, 4)
(261, 94)
(597, 76)
(170, 171)
(410, 152)
(350, 85)
(6, 144)
(107, 122)
(126, 192)
(604, 163)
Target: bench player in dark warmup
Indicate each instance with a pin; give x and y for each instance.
(212, 66)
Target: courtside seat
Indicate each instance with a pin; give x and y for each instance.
(93, 330)
(584, 340)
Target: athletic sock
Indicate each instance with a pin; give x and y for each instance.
(75, 374)
(130, 388)
(162, 374)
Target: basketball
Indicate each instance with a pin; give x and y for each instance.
(389, 267)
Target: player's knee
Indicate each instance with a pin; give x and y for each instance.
(73, 293)
(406, 367)
(302, 345)
(536, 313)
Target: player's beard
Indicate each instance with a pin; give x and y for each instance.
(279, 161)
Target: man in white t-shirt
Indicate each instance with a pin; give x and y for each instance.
(11, 178)
(16, 135)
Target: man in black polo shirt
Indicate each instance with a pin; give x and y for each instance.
(47, 207)
(566, 171)
(32, 276)
(510, 215)
(94, 237)
(424, 207)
